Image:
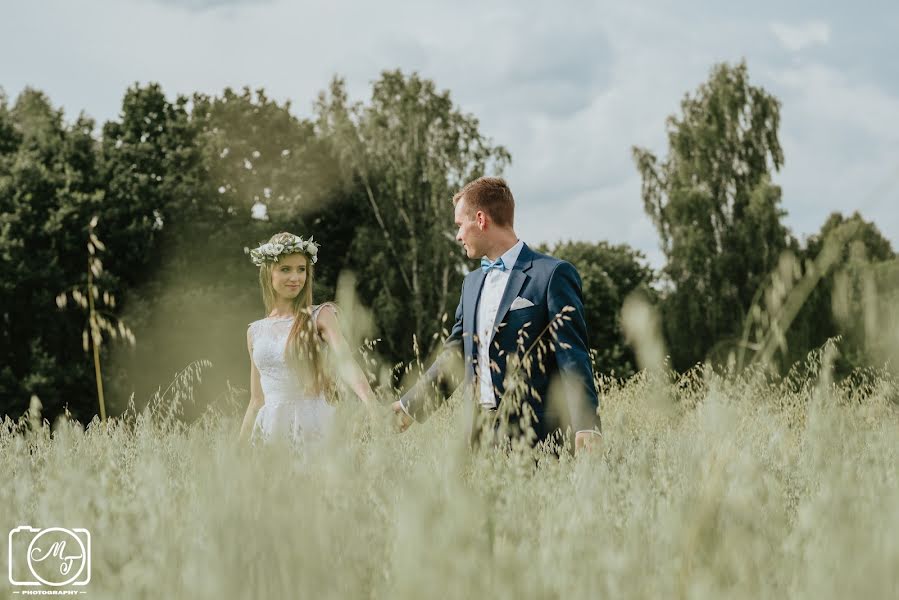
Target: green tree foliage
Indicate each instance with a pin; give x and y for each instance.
(405, 153)
(153, 177)
(49, 187)
(609, 274)
(716, 210)
(259, 153)
(846, 300)
(876, 247)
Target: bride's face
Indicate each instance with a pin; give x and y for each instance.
(289, 275)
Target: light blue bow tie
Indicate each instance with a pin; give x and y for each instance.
(487, 264)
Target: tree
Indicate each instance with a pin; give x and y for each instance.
(876, 247)
(49, 188)
(840, 304)
(609, 274)
(155, 180)
(260, 155)
(716, 210)
(405, 154)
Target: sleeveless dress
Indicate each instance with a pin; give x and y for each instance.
(289, 413)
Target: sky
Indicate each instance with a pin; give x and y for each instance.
(568, 87)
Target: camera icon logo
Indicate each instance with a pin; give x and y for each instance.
(54, 556)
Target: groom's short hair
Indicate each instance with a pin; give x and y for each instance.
(491, 195)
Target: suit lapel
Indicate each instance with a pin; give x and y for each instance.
(470, 303)
(517, 278)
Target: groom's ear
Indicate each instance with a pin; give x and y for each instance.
(481, 218)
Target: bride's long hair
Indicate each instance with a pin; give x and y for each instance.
(303, 352)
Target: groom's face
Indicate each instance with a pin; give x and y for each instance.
(469, 233)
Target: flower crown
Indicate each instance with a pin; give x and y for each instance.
(293, 244)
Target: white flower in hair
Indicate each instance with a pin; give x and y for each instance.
(271, 251)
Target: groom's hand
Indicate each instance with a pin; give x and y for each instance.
(403, 420)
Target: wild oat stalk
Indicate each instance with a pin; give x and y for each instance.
(784, 293)
(98, 320)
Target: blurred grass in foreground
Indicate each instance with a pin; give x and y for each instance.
(706, 487)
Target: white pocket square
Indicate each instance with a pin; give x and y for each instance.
(520, 303)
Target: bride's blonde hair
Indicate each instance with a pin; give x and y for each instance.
(303, 352)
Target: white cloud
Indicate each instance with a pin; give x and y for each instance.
(201, 5)
(828, 96)
(797, 37)
(841, 143)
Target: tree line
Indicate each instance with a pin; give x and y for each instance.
(181, 187)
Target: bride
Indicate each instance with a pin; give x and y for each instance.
(288, 382)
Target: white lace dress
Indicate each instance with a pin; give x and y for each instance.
(289, 412)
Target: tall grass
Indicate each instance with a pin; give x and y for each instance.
(100, 320)
(716, 483)
(706, 487)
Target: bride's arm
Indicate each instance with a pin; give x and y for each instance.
(349, 370)
(257, 399)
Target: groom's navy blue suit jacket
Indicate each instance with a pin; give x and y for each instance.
(550, 285)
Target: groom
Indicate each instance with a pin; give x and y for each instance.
(518, 305)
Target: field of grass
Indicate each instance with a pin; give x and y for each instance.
(705, 487)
